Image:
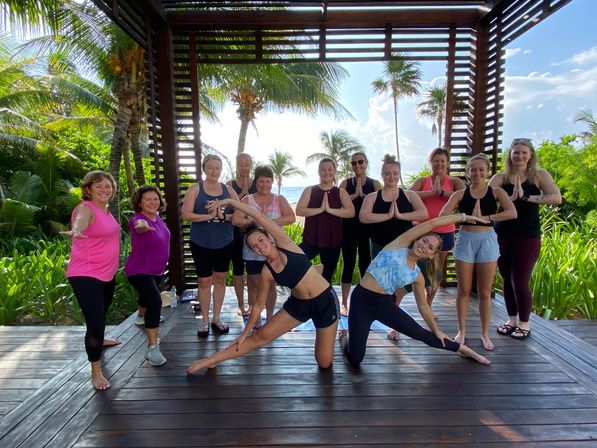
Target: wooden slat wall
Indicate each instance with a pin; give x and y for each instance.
(473, 56)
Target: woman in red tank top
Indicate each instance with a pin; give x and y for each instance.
(435, 190)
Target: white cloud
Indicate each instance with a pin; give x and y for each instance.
(511, 52)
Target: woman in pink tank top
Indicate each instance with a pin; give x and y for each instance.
(434, 191)
(93, 264)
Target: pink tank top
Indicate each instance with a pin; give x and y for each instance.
(97, 255)
(434, 204)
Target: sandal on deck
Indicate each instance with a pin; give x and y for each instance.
(506, 329)
(219, 327)
(522, 333)
(203, 331)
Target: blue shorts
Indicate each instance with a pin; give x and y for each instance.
(476, 247)
(324, 309)
(447, 241)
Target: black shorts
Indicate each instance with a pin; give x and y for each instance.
(254, 267)
(207, 261)
(323, 309)
(238, 265)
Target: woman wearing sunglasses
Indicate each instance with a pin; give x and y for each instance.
(355, 235)
(520, 239)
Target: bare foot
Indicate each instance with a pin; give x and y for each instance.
(467, 352)
(198, 365)
(460, 337)
(111, 342)
(487, 344)
(100, 383)
(393, 335)
(343, 310)
(97, 377)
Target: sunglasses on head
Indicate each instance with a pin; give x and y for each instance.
(354, 162)
(521, 140)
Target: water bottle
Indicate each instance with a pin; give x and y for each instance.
(173, 298)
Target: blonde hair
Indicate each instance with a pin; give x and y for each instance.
(93, 177)
(476, 157)
(531, 170)
(433, 266)
(439, 151)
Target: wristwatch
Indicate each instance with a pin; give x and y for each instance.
(525, 197)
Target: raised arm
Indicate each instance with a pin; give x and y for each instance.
(452, 203)
(188, 205)
(419, 212)
(508, 211)
(83, 217)
(409, 236)
(417, 187)
(270, 226)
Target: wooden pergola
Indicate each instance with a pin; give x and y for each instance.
(469, 36)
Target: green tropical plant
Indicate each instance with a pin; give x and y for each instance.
(588, 117)
(400, 78)
(339, 146)
(434, 106)
(281, 164)
(305, 87)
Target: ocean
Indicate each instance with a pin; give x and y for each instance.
(292, 194)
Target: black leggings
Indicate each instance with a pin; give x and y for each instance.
(148, 287)
(350, 243)
(329, 257)
(94, 298)
(367, 306)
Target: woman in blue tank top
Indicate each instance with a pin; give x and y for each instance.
(312, 297)
(394, 267)
(211, 240)
(476, 249)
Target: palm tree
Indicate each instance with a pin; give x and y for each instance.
(281, 165)
(305, 87)
(400, 78)
(339, 146)
(587, 116)
(434, 106)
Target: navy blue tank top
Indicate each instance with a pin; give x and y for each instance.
(385, 232)
(212, 234)
(296, 267)
(488, 204)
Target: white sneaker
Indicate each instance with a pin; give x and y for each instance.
(140, 320)
(154, 355)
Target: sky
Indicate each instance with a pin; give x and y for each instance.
(551, 74)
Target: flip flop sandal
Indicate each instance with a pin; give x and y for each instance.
(506, 329)
(219, 327)
(523, 334)
(203, 331)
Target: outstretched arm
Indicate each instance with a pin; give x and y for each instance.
(270, 227)
(408, 237)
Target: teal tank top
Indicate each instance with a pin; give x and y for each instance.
(390, 269)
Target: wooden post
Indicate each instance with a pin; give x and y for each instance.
(170, 155)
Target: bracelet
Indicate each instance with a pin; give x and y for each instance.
(525, 197)
(441, 193)
(463, 216)
(489, 219)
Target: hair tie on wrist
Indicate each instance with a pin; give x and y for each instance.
(463, 216)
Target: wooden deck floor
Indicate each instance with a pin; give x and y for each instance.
(538, 393)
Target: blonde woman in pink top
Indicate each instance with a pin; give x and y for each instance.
(93, 264)
(435, 190)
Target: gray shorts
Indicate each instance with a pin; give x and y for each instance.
(476, 247)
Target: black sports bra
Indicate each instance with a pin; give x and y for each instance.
(295, 269)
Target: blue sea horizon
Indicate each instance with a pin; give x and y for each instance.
(292, 194)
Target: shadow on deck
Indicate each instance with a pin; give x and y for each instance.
(541, 392)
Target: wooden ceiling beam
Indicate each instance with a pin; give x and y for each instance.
(313, 19)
